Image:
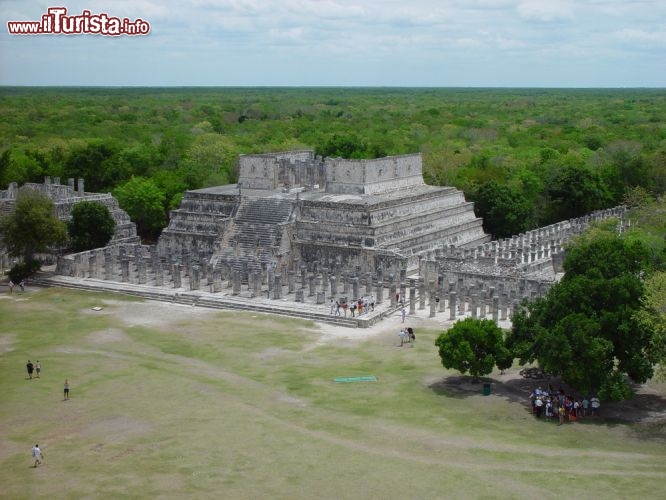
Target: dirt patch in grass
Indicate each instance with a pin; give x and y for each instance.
(7, 342)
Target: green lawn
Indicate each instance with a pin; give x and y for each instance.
(176, 402)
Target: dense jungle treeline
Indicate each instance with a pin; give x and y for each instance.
(527, 157)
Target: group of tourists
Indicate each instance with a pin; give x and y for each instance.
(11, 286)
(561, 406)
(407, 336)
(35, 368)
(355, 307)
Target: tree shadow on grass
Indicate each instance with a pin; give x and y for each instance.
(645, 413)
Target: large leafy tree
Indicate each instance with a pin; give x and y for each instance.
(572, 189)
(585, 329)
(144, 203)
(94, 163)
(473, 345)
(32, 228)
(652, 316)
(504, 209)
(91, 226)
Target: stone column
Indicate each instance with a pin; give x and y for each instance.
(154, 258)
(291, 281)
(304, 275)
(299, 295)
(452, 305)
(217, 281)
(187, 263)
(433, 307)
(496, 310)
(368, 284)
(379, 293)
(355, 288)
(141, 271)
(504, 307)
(177, 275)
(92, 263)
(422, 295)
(461, 304)
(277, 287)
(403, 292)
(108, 265)
(124, 270)
(236, 283)
(334, 286)
(159, 274)
(313, 285)
(412, 296)
(195, 278)
(321, 297)
(474, 299)
(482, 305)
(392, 291)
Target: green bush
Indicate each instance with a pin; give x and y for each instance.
(615, 388)
(24, 270)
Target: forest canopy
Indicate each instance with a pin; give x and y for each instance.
(529, 157)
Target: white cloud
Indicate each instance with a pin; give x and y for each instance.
(331, 42)
(546, 10)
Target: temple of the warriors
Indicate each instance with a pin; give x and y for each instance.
(296, 209)
(298, 231)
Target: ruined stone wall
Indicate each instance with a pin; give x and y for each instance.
(373, 176)
(263, 172)
(64, 198)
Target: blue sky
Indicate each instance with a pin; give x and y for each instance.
(468, 43)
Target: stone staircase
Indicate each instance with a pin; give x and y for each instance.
(208, 300)
(253, 239)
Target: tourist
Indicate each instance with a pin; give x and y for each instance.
(595, 404)
(337, 308)
(22, 285)
(372, 302)
(402, 336)
(549, 409)
(38, 368)
(30, 367)
(37, 455)
(586, 405)
(11, 286)
(352, 308)
(538, 405)
(560, 412)
(404, 314)
(412, 337)
(359, 306)
(66, 390)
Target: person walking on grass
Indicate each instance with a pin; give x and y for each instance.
(37, 455)
(38, 368)
(30, 367)
(66, 390)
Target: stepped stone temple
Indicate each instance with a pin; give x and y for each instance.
(298, 233)
(296, 209)
(64, 197)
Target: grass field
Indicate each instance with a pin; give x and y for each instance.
(176, 402)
